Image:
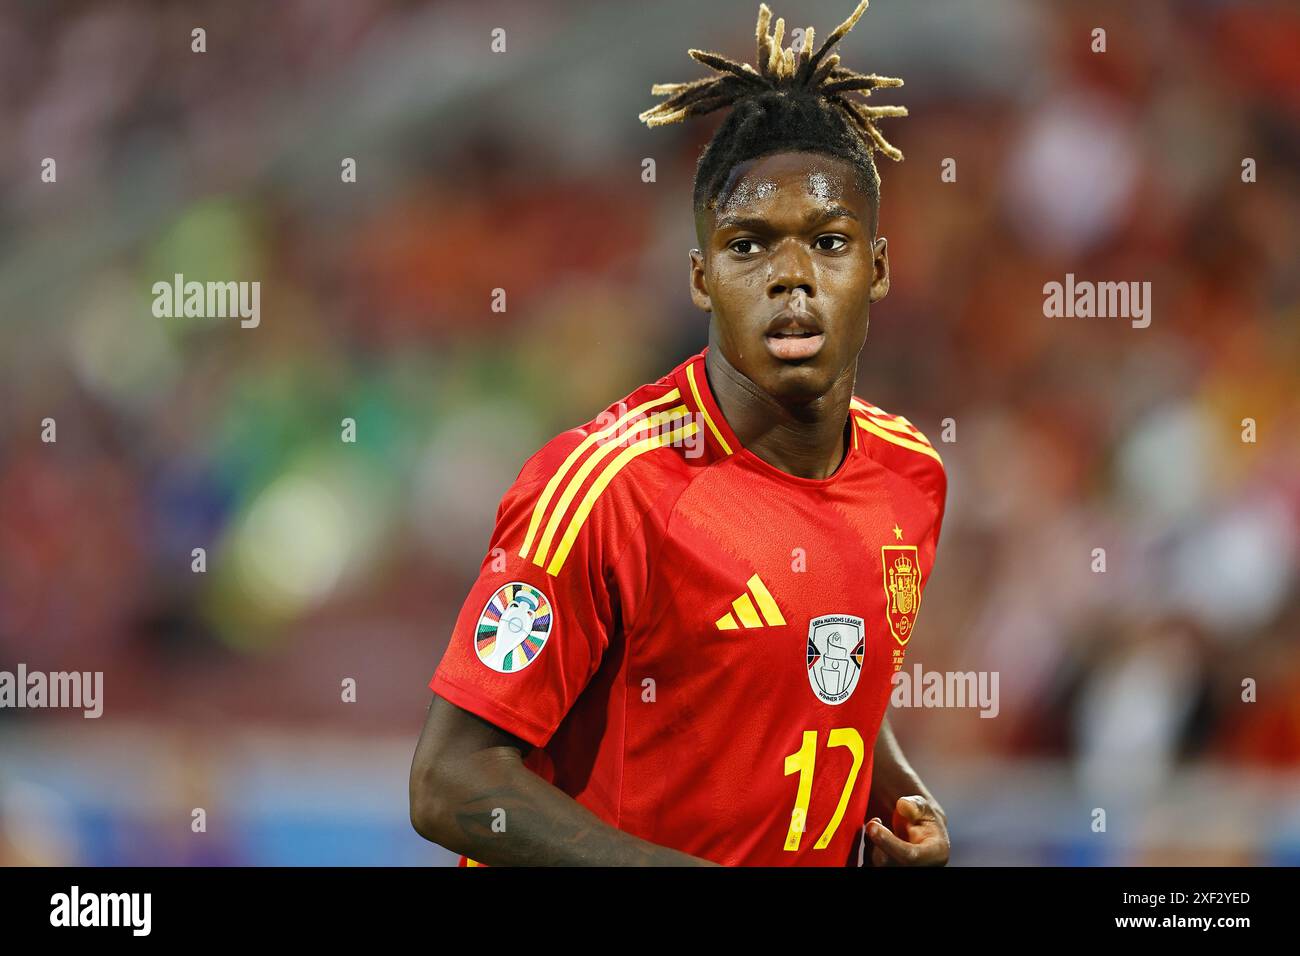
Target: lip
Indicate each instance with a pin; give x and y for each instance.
(789, 319)
(794, 335)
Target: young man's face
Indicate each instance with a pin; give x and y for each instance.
(789, 267)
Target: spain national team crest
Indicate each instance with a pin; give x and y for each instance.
(513, 628)
(902, 579)
(835, 650)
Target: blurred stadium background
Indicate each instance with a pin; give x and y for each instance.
(522, 170)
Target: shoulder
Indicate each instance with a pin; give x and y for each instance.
(900, 446)
(592, 484)
(644, 433)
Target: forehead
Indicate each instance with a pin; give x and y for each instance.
(806, 179)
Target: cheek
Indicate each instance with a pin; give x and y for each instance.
(848, 282)
(738, 284)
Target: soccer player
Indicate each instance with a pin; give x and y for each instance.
(680, 644)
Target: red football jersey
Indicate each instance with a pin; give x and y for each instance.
(698, 645)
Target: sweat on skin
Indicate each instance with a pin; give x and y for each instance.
(788, 266)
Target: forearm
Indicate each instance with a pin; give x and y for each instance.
(497, 811)
(893, 777)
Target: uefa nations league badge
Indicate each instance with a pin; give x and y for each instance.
(835, 650)
(513, 628)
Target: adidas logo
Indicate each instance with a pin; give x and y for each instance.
(747, 613)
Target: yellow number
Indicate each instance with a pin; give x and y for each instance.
(803, 762)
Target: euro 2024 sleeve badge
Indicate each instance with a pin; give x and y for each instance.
(513, 628)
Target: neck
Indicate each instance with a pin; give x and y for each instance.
(805, 440)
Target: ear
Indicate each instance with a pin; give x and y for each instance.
(699, 287)
(879, 269)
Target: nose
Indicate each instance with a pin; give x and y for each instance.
(789, 268)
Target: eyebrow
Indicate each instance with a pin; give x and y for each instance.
(814, 218)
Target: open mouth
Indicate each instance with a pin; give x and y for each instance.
(795, 333)
(794, 344)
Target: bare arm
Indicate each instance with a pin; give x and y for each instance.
(893, 777)
(468, 773)
(916, 833)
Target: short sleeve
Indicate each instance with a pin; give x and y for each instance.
(939, 495)
(533, 629)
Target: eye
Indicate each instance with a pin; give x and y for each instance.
(840, 239)
(742, 242)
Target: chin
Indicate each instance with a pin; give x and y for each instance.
(797, 383)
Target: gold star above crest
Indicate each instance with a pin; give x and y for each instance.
(898, 533)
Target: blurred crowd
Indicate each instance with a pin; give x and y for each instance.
(327, 559)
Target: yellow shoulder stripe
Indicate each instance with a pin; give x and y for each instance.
(545, 499)
(900, 425)
(874, 428)
(603, 480)
(595, 458)
(895, 423)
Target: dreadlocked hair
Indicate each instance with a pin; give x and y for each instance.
(792, 101)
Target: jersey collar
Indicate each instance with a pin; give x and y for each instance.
(693, 384)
